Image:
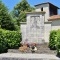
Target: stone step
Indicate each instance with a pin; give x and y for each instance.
(18, 56)
(41, 48)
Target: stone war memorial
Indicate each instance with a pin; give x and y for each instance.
(35, 35)
(39, 23)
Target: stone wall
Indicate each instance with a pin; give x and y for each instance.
(47, 31)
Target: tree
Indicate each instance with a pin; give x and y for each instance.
(20, 10)
(5, 18)
(22, 17)
(6, 23)
(3, 10)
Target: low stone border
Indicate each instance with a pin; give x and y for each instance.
(25, 59)
(16, 56)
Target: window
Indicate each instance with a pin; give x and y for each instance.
(42, 9)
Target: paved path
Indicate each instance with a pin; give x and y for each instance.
(17, 56)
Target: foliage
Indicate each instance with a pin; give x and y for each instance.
(22, 17)
(20, 9)
(13, 39)
(6, 23)
(17, 28)
(3, 42)
(13, 17)
(5, 18)
(3, 10)
(9, 39)
(58, 42)
(52, 39)
(23, 6)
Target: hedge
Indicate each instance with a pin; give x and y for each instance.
(54, 40)
(9, 40)
(58, 42)
(3, 43)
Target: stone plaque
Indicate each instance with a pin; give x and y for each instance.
(36, 28)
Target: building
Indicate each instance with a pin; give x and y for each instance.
(39, 23)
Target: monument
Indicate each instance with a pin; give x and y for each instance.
(34, 29)
(39, 23)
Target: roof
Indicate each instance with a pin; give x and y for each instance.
(35, 12)
(47, 3)
(54, 17)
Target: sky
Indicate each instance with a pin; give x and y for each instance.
(11, 3)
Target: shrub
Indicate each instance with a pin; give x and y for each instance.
(58, 42)
(54, 42)
(3, 42)
(9, 39)
(13, 39)
(52, 39)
